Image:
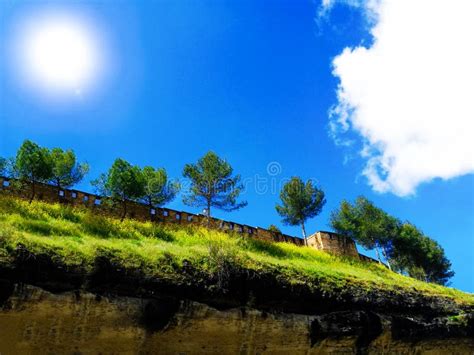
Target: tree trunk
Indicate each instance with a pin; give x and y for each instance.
(304, 234)
(377, 252)
(384, 252)
(208, 212)
(33, 191)
(124, 213)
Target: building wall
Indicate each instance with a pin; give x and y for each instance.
(333, 243)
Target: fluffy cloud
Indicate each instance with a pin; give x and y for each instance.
(410, 95)
(369, 6)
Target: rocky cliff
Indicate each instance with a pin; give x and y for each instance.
(36, 321)
(46, 308)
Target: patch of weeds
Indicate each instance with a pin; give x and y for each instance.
(69, 214)
(9, 205)
(98, 225)
(37, 227)
(262, 246)
(159, 233)
(46, 228)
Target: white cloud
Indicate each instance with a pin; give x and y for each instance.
(410, 95)
(370, 7)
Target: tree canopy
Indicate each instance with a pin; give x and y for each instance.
(367, 224)
(3, 166)
(123, 182)
(33, 164)
(404, 246)
(420, 256)
(157, 189)
(299, 202)
(66, 171)
(213, 184)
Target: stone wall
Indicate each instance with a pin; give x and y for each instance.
(333, 243)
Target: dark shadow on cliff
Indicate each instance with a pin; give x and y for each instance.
(365, 326)
(157, 314)
(41, 270)
(6, 290)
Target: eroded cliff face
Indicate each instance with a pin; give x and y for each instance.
(47, 308)
(35, 321)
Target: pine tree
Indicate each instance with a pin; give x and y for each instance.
(300, 202)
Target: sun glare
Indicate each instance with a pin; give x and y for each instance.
(59, 54)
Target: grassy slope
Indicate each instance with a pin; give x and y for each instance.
(75, 237)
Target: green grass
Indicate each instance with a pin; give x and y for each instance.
(76, 237)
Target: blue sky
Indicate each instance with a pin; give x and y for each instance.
(250, 80)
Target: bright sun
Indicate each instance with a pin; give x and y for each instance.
(60, 54)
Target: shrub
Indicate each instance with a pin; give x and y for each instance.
(222, 261)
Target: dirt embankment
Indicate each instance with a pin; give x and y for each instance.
(47, 308)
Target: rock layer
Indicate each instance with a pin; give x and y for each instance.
(34, 321)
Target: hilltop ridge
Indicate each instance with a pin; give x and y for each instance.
(321, 240)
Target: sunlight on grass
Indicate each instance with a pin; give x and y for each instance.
(76, 237)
